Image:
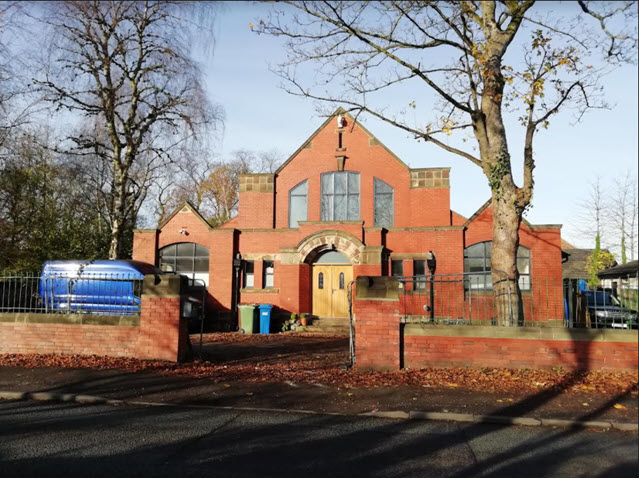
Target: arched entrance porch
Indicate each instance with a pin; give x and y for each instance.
(331, 255)
(332, 271)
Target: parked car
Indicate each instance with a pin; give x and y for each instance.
(100, 286)
(607, 312)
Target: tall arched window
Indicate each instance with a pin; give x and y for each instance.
(384, 204)
(189, 259)
(340, 196)
(298, 204)
(477, 262)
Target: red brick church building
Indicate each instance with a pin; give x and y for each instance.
(343, 205)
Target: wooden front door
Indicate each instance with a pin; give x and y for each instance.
(330, 283)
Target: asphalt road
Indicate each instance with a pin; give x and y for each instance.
(51, 439)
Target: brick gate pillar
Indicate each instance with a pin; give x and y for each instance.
(377, 323)
(163, 333)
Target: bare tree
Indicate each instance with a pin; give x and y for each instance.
(126, 66)
(210, 184)
(457, 51)
(14, 107)
(633, 221)
(623, 214)
(592, 218)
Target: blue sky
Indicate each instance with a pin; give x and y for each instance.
(262, 116)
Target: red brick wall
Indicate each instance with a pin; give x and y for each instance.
(377, 345)
(456, 219)
(145, 245)
(438, 351)
(429, 207)
(195, 230)
(46, 338)
(160, 335)
(255, 210)
(378, 336)
(221, 273)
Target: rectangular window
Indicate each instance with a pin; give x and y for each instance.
(419, 272)
(249, 274)
(340, 196)
(298, 204)
(267, 274)
(384, 204)
(397, 267)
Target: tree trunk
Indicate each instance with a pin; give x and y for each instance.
(119, 213)
(505, 277)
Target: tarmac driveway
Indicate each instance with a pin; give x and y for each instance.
(272, 349)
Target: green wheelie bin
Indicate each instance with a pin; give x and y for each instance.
(247, 318)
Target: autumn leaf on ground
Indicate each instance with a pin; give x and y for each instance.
(619, 406)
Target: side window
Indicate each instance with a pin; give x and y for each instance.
(298, 204)
(419, 271)
(267, 274)
(249, 274)
(478, 268)
(384, 214)
(397, 267)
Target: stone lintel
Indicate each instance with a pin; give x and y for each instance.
(371, 255)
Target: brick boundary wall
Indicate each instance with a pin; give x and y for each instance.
(158, 333)
(384, 343)
(490, 346)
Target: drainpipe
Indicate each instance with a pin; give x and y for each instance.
(237, 265)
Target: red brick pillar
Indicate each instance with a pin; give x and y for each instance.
(221, 271)
(163, 333)
(377, 326)
(145, 245)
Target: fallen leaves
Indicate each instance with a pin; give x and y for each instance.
(293, 365)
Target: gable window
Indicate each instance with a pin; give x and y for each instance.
(340, 196)
(267, 274)
(384, 204)
(477, 263)
(298, 204)
(419, 272)
(249, 274)
(189, 259)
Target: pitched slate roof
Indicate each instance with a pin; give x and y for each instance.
(575, 266)
(621, 270)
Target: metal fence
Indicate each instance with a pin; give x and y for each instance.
(469, 299)
(89, 293)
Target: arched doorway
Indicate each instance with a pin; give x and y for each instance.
(332, 271)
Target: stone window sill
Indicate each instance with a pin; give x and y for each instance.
(256, 290)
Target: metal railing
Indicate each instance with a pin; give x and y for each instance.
(469, 299)
(59, 293)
